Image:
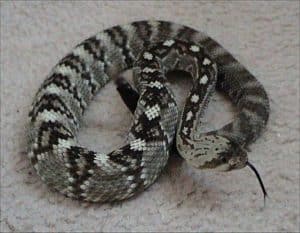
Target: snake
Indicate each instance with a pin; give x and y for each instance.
(152, 49)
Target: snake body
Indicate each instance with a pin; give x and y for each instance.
(151, 48)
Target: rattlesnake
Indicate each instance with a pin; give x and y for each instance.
(151, 48)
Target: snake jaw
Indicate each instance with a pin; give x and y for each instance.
(237, 162)
(238, 158)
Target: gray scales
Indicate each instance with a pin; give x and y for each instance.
(151, 49)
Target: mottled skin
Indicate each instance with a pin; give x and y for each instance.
(152, 48)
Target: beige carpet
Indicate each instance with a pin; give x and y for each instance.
(262, 35)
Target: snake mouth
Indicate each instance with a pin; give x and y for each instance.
(251, 166)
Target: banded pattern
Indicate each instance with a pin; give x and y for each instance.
(151, 48)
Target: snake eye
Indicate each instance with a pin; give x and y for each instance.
(223, 159)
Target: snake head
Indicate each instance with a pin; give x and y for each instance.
(215, 152)
(233, 157)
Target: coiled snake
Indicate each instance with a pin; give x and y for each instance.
(151, 48)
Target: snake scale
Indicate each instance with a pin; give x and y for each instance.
(151, 49)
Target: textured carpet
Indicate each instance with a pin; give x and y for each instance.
(264, 36)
